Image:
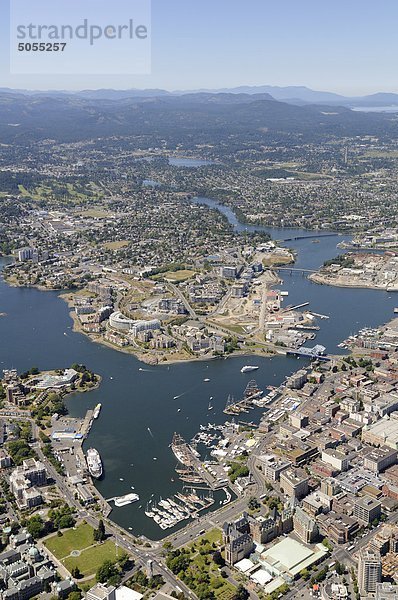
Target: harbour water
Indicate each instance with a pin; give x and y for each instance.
(140, 403)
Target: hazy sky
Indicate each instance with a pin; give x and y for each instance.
(346, 46)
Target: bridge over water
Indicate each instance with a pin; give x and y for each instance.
(292, 270)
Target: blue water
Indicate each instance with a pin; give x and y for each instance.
(36, 331)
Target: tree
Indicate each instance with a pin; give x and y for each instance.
(327, 544)
(241, 593)
(76, 573)
(74, 596)
(339, 567)
(35, 526)
(99, 534)
(218, 558)
(253, 503)
(106, 571)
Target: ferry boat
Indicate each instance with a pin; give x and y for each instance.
(94, 463)
(127, 499)
(248, 368)
(97, 411)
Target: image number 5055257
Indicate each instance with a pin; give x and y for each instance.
(41, 46)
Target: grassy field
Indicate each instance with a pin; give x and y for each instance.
(214, 535)
(275, 260)
(175, 275)
(381, 153)
(75, 194)
(116, 245)
(74, 539)
(91, 556)
(95, 213)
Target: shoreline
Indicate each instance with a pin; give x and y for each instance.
(322, 280)
(95, 338)
(146, 358)
(141, 358)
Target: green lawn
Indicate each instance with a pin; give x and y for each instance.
(92, 558)
(214, 535)
(73, 539)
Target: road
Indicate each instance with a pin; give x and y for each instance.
(174, 290)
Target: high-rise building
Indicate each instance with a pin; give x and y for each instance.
(294, 483)
(304, 526)
(367, 509)
(369, 570)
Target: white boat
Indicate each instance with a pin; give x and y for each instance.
(94, 463)
(248, 368)
(97, 411)
(127, 499)
(207, 379)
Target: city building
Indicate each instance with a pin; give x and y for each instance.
(100, 591)
(338, 527)
(316, 503)
(334, 591)
(297, 380)
(23, 482)
(265, 529)
(272, 466)
(336, 459)
(304, 526)
(369, 570)
(237, 539)
(383, 432)
(379, 459)
(386, 591)
(367, 509)
(294, 483)
(25, 254)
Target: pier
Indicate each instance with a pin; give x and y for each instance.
(87, 423)
(296, 307)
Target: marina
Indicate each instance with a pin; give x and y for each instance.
(169, 512)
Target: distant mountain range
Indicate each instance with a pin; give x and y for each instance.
(291, 94)
(194, 118)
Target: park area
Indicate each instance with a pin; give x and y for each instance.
(199, 565)
(76, 548)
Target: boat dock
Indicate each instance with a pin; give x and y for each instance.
(87, 423)
(251, 396)
(192, 470)
(184, 505)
